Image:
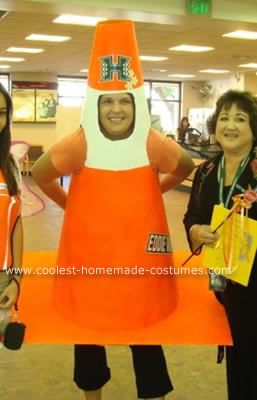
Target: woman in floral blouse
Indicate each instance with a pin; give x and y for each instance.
(234, 171)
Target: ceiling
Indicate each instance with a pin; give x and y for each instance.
(156, 32)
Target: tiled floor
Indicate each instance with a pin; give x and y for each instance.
(45, 372)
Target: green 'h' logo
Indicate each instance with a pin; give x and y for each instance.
(108, 68)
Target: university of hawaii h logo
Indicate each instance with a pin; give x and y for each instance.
(108, 68)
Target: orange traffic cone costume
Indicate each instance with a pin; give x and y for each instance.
(115, 218)
(115, 241)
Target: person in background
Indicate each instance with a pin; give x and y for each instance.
(11, 232)
(181, 131)
(216, 181)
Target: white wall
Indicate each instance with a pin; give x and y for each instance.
(251, 83)
(190, 97)
(219, 86)
(35, 133)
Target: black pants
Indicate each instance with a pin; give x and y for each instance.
(91, 371)
(241, 308)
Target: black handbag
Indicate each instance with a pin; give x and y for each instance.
(14, 335)
(14, 331)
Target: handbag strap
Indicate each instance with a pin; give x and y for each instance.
(13, 279)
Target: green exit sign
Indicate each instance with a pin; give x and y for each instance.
(199, 7)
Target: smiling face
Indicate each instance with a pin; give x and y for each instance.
(3, 112)
(116, 115)
(233, 130)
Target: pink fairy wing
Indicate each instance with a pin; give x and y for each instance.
(19, 149)
(32, 203)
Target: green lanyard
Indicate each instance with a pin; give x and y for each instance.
(239, 172)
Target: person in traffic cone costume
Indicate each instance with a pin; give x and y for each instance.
(115, 234)
(115, 245)
(118, 221)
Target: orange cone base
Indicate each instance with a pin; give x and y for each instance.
(198, 319)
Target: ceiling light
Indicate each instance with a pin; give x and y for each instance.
(77, 20)
(12, 59)
(47, 38)
(84, 70)
(24, 50)
(214, 71)
(159, 70)
(194, 49)
(4, 66)
(181, 76)
(152, 58)
(250, 65)
(250, 35)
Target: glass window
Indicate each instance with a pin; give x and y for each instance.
(166, 114)
(71, 91)
(71, 101)
(147, 88)
(165, 91)
(165, 104)
(4, 80)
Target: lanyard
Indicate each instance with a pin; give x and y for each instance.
(239, 172)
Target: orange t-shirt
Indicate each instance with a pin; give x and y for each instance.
(69, 155)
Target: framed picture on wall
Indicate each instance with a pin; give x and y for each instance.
(34, 101)
(46, 105)
(23, 105)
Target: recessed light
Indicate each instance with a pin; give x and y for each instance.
(24, 50)
(250, 35)
(84, 70)
(47, 38)
(159, 70)
(181, 76)
(4, 66)
(214, 71)
(194, 49)
(12, 59)
(152, 58)
(77, 20)
(250, 65)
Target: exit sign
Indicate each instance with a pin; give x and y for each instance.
(199, 7)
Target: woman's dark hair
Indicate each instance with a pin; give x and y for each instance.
(7, 163)
(244, 101)
(182, 130)
(182, 120)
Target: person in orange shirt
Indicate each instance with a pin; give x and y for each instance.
(11, 233)
(114, 215)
